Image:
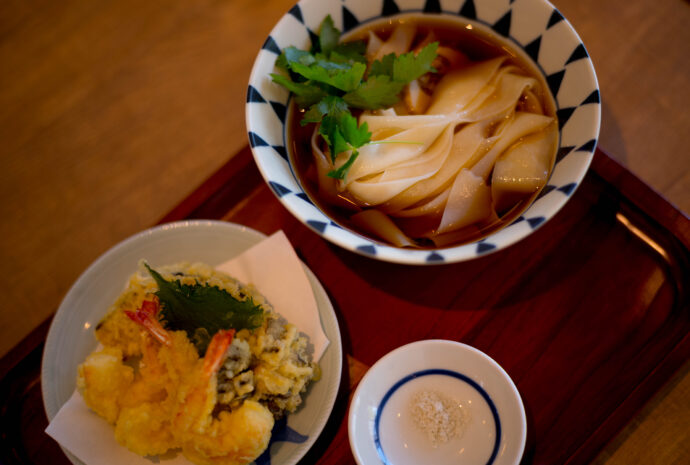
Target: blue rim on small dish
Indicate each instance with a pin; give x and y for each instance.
(538, 31)
(380, 431)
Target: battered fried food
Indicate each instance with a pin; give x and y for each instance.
(211, 391)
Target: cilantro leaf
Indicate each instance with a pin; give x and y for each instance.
(338, 127)
(341, 172)
(383, 66)
(353, 51)
(328, 35)
(335, 57)
(329, 81)
(292, 55)
(342, 78)
(331, 132)
(306, 94)
(202, 310)
(355, 135)
(330, 105)
(334, 62)
(376, 92)
(408, 67)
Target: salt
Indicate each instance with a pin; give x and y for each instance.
(438, 416)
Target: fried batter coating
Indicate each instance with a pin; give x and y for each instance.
(168, 402)
(233, 438)
(145, 421)
(103, 381)
(152, 385)
(237, 437)
(145, 429)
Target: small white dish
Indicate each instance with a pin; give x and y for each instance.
(382, 426)
(71, 337)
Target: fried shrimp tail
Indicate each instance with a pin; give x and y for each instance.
(235, 437)
(146, 316)
(144, 421)
(215, 352)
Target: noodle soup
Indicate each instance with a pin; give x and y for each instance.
(463, 153)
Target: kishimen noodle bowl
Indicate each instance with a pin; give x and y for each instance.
(422, 137)
(463, 151)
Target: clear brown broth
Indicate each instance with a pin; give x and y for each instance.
(478, 46)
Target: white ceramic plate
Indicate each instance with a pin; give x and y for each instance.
(71, 337)
(381, 424)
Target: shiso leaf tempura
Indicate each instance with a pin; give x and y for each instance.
(201, 310)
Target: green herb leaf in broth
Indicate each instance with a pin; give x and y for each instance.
(329, 105)
(383, 67)
(306, 94)
(408, 66)
(345, 78)
(292, 55)
(341, 172)
(329, 35)
(353, 51)
(375, 93)
(329, 80)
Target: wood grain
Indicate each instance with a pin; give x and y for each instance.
(112, 112)
(583, 362)
(639, 50)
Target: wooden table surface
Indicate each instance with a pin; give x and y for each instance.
(112, 112)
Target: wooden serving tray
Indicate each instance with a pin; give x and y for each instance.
(589, 315)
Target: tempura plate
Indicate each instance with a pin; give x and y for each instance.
(71, 337)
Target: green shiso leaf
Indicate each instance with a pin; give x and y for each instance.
(202, 310)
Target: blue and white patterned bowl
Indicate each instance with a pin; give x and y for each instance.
(533, 26)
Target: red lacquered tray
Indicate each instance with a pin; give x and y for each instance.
(589, 315)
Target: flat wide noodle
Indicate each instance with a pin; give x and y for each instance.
(401, 147)
(398, 43)
(469, 202)
(466, 145)
(390, 120)
(387, 184)
(457, 88)
(373, 45)
(431, 171)
(427, 163)
(433, 207)
(523, 169)
(522, 125)
(508, 91)
(380, 225)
